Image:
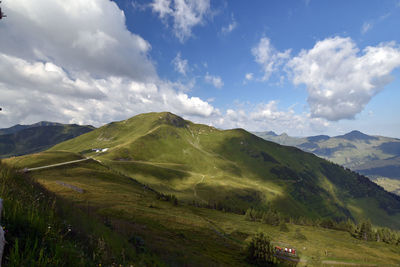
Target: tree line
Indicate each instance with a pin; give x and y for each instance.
(363, 230)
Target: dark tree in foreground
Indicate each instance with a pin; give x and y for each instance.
(365, 231)
(260, 251)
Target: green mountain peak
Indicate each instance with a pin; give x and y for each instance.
(233, 168)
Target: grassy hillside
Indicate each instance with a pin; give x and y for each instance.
(182, 234)
(233, 170)
(26, 139)
(377, 157)
(46, 229)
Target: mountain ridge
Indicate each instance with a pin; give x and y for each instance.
(356, 135)
(378, 157)
(25, 139)
(231, 168)
(19, 127)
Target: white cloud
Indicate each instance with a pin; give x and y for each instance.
(214, 80)
(43, 91)
(75, 61)
(230, 27)
(77, 35)
(193, 106)
(366, 27)
(162, 7)
(138, 6)
(180, 65)
(284, 120)
(269, 117)
(249, 76)
(268, 57)
(340, 81)
(185, 14)
(47, 78)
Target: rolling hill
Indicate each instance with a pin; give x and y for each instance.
(97, 216)
(377, 157)
(25, 139)
(233, 169)
(120, 200)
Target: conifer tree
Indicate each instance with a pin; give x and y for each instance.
(365, 231)
(260, 251)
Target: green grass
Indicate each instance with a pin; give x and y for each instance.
(185, 234)
(232, 170)
(233, 167)
(375, 157)
(42, 159)
(43, 229)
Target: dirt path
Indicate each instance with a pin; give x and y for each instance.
(54, 165)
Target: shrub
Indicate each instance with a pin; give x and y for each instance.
(260, 251)
(250, 215)
(271, 217)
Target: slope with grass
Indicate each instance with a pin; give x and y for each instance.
(25, 139)
(180, 235)
(377, 157)
(46, 229)
(233, 169)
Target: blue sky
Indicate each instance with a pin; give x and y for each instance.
(301, 67)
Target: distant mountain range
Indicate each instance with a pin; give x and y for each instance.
(24, 139)
(377, 157)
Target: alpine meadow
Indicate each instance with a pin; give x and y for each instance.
(164, 185)
(199, 133)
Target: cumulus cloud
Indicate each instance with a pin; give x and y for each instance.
(185, 14)
(77, 35)
(216, 81)
(180, 65)
(75, 61)
(43, 91)
(269, 116)
(340, 80)
(268, 57)
(47, 78)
